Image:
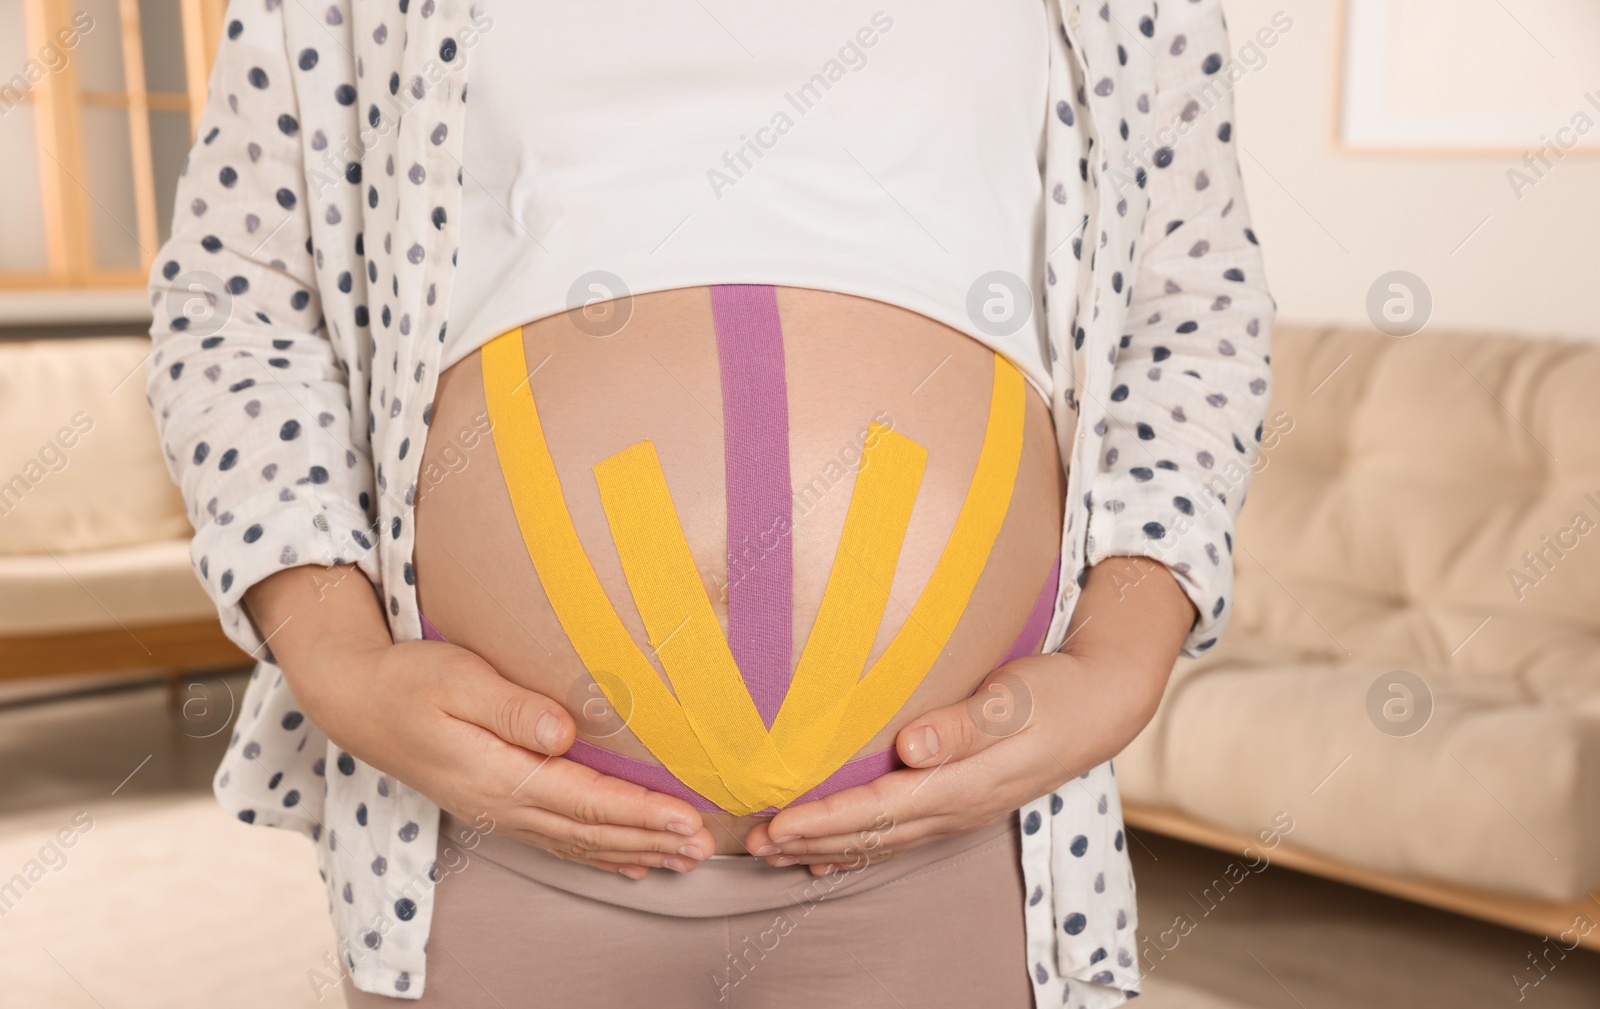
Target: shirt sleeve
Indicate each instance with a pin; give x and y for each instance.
(251, 401)
(1191, 381)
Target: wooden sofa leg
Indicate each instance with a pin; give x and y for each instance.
(1537, 917)
(175, 678)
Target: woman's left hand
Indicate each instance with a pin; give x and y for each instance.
(1035, 724)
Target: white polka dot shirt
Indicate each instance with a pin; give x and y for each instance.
(301, 305)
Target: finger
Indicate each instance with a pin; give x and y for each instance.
(1001, 706)
(478, 694)
(827, 868)
(758, 842)
(460, 859)
(602, 858)
(822, 862)
(585, 795)
(599, 837)
(850, 848)
(635, 872)
(867, 844)
(850, 863)
(628, 857)
(847, 863)
(865, 809)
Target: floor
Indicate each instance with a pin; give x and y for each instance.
(1281, 939)
(161, 901)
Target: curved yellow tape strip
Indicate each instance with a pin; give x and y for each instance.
(890, 682)
(683, 627)
(710, 735)
(854, 600)
(677, 613)
(569, 580)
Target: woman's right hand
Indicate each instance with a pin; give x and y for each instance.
(442, 720)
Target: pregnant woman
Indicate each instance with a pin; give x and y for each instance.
(711, 489)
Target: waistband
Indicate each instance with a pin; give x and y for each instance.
(732, 884)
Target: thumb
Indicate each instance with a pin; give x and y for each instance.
(1000, 707)
(519, 716)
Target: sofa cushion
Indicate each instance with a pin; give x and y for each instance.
(80, 464)
(1492, 793)
(149, 583)
(1431, 505)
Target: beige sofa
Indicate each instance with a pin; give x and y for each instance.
(1404, 484)
(94, 552)
(1412, 674)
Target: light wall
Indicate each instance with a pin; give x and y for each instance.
(1532, 268)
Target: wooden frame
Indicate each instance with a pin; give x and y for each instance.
(144, 181)
(1337, 109)
(172, 648)
(1538, 917)
(202, 33)
(59, 139)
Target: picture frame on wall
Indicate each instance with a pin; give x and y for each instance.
(1402, 87)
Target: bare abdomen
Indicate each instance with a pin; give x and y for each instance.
(849, 362)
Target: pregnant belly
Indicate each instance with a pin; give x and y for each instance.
(644, 409)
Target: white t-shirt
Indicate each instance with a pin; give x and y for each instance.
(619, 147)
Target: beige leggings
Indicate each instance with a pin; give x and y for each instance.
(938, 928)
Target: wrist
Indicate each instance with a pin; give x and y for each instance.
(1133, 606)
(1130, 623)
(316, 621)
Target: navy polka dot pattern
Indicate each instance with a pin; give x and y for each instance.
(316, 214)
(282, 414)
(1166, 375)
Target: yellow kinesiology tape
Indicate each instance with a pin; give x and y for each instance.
(682, 626)
(855, 597)
(569, 580)
(887, 686)
(706, 730)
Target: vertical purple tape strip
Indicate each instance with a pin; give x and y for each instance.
(1031, 637)
(755, 419)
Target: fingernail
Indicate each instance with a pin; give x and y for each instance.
(679, 865)
(692, 851)
(788, 860)
(927, 747)
(785, 839)
(635, 872)
(679, 827)
(765, 850)
(547, 731)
